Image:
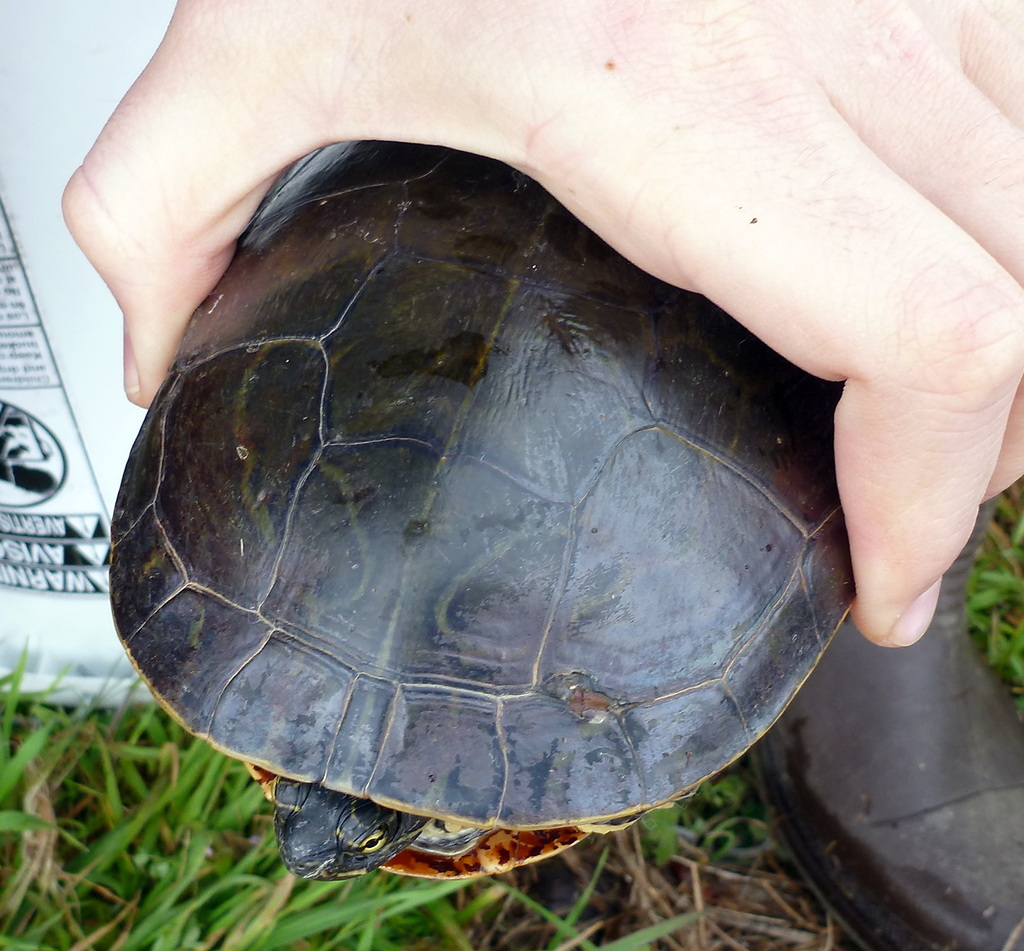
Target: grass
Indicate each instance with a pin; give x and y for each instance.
(135, 835)
(995, 594)
(119, 832)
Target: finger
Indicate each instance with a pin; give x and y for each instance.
(852, 274)
(961, 142)
(944, 460)
(1010, 464)
(1008, 13)
(908, 100)
(160, 199)
(992, 55)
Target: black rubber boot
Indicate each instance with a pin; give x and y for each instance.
(898, 780)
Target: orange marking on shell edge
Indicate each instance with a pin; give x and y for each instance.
(264, 777)
(499, 851)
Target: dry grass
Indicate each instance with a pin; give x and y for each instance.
(754, 906)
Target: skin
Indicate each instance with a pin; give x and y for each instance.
(845, 178)
(328, 835)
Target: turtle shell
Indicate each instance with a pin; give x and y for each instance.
(446, 504)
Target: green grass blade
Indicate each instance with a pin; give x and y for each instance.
(30, 749)
(15, 821)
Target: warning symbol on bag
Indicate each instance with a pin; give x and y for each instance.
(59, 553)
(32, 464)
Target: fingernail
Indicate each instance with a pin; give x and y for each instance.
(914, 621)
(131, 371)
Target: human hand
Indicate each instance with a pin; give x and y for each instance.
(846, 179)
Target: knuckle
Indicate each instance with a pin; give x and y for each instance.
(105, 217)
(78, 203)
(87, 213)
(966, 341)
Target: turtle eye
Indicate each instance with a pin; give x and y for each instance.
(376, 839)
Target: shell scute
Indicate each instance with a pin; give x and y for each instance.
(419, 567)
(554, 360)
(156, 574)
(727, 391)
(191, 648)
(230, 528)
(775, 649)
(443, 753)
(681, 739)
(363, 726)
(561, 763)
(495, 233)
(674, 571)
(405, 358)
(306, 688)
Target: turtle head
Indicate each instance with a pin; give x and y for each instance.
(326, 834)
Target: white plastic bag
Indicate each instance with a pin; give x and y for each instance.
(65, 425)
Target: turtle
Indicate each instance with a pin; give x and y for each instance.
(466, 534)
